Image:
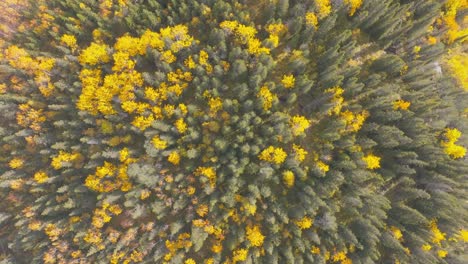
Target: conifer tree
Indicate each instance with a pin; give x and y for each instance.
(243, 131)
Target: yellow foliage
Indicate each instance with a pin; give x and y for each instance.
(122, 62)
(339, 256)
(288, 178)
(34, 225)
(181, 125)
(169, 110)
(323, 8)
(463, 235)
(304, 223)
(431, 40)
(401, 104)
(426, 247)
(288, 81)
(115, 209)
(453, 150)
(203, 58)
(174, 158)
(151, 39)
(191, 190)
(183, 109)
(217, 248)
(128, 45)
(442, 253)
(91, 80)
(179, 36)
(168, 56)
(40, 177)
(52, 231)
(254, 235)
(239, 255)
(458, 65)
(183, 241)
(93, 183)
(144, 194)
(93, 236)
(354, 121)
(250, 208)
(100, 217)
(105, 170)
(299, 124)
(10, 19)
(215, 105)
(124, 155)
(190, 261)
(76, 254)
(267, 97)
(94, 54)
(16, 163)
(255, 47)
(208, 172)
(337, 99)
(452, 134)
(275, 31)
(315, 250)
(245, 35)
(273, 155)
(98, 97)
(274, 40)
(229, 25)
(70, 41)
(158, 143)
(39, 67)
(396, 232)
(209, 261)
(105, 7)
(190, 63)
(372, 161)
(311, 19)
(353, 5)
(299, 152)
(63, 157)
(437, 235)
(322, 166)
(452, 9)
(18, 58)
(202, 210)
(97, 35)
(30, 117)
(143, 122)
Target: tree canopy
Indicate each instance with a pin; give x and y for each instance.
(240, 131)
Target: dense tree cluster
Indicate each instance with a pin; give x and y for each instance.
(240, 131)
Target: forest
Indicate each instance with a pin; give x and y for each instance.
(234, 131)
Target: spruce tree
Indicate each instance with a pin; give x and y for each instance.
(243, 131)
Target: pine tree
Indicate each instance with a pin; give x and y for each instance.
(233, 131)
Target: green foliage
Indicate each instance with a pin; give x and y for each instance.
(204, 130)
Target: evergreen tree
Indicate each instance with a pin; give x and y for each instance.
(309, 131)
